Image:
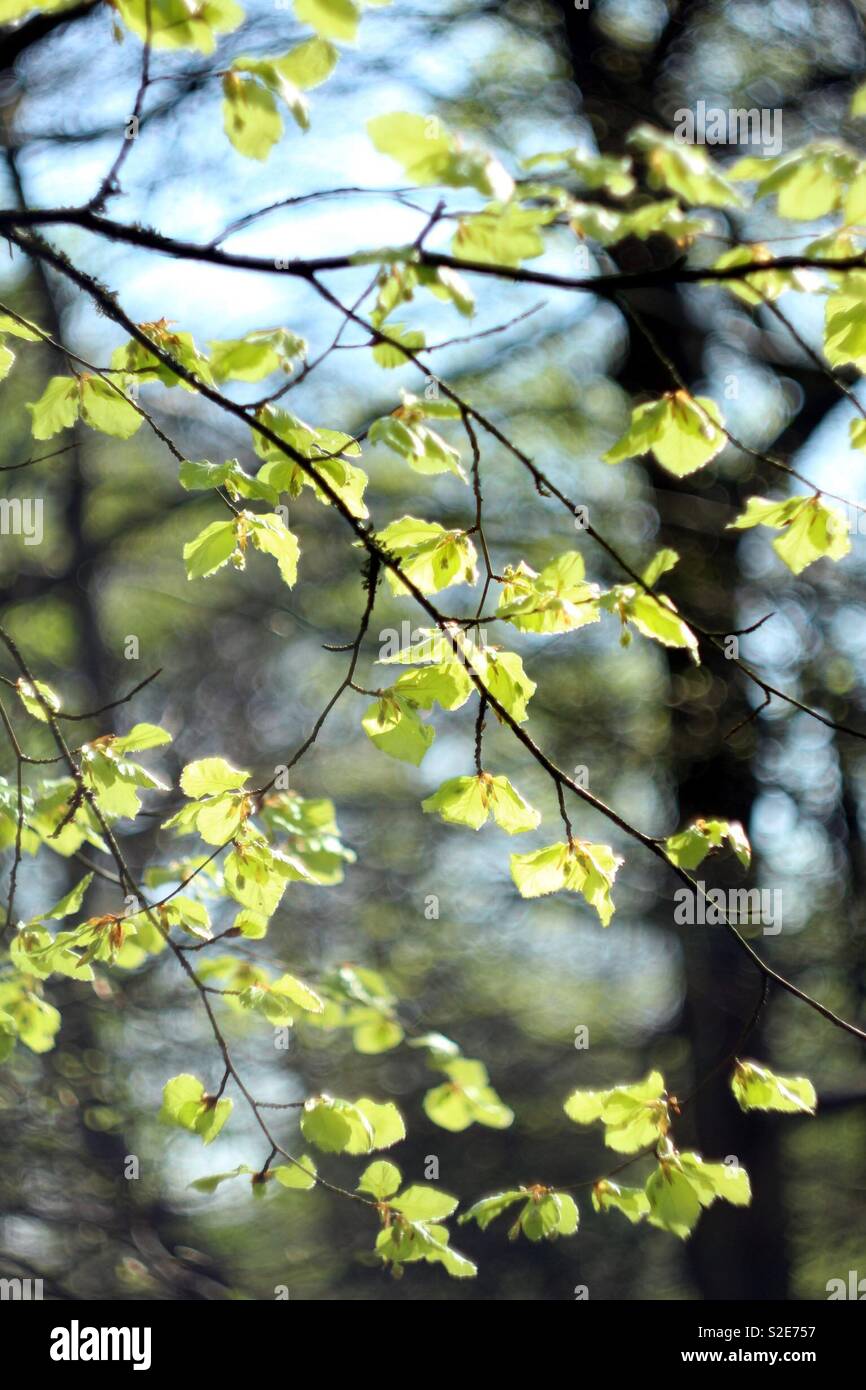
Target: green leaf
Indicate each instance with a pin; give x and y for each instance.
(654, 615)
(764, 286)
(331, 19)
(612, 173)
(446, 684)
(689, 848)
(580, 868)
(673, 1203)
(395, 726)
(471, 800)
(255, 874)
(210, 775)
(36, 1022)
(185, 1103)
(424, 450)
(57, 407)
(230, 476)
(812, 529)
(139, 361)
(390, 354)
(8, 1035)
(215, 1180)
(421, 1203)
(250, 116)
(711, 1180)
(325, 1125)
(585, 1106)
(755, 1087)
(210, 550)
(635, 1117)
(548, 1215)
(467, 1098)
(556, 600)
(505, 679)
(430, 154)
(504, 233)
(380, 1179)
(631, 1201)
(405, 1241)
(385, 1122)
(662, 562)
(544, 1216)
(489, 1208)
(73, 899)
(845, 323)
(809, 181)
(270, 534)
(252, 358)
(35, 696)
(173, 24)
(377, 1035)
(297, 1177)
(140, 738)
(188, 914)
(686, 170)
(105, 408)
(309, 64)
(20, 328)
(684, 433)
(327, 449)
(299, 993)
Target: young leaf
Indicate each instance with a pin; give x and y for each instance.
(556, 600)
(331, 19)
(631, 1201)
(37, 698)
(394, 725)
(689, 848)
(297, 1177)
(185, 1103)
(380, 1179)
(471, 800)
(684, 433)
(756, 1088)
(579, 868)
(173, 24)
(210, 550)
(686, 170)
(57, 407)
(812, 529)
(430, 154)
(105, 408)
(250, 116)
(422, 1203)
(673, 1203)
(489, 1208)
(210, 775)
(466, 1098)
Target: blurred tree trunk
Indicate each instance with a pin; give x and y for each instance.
(748, 1258)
